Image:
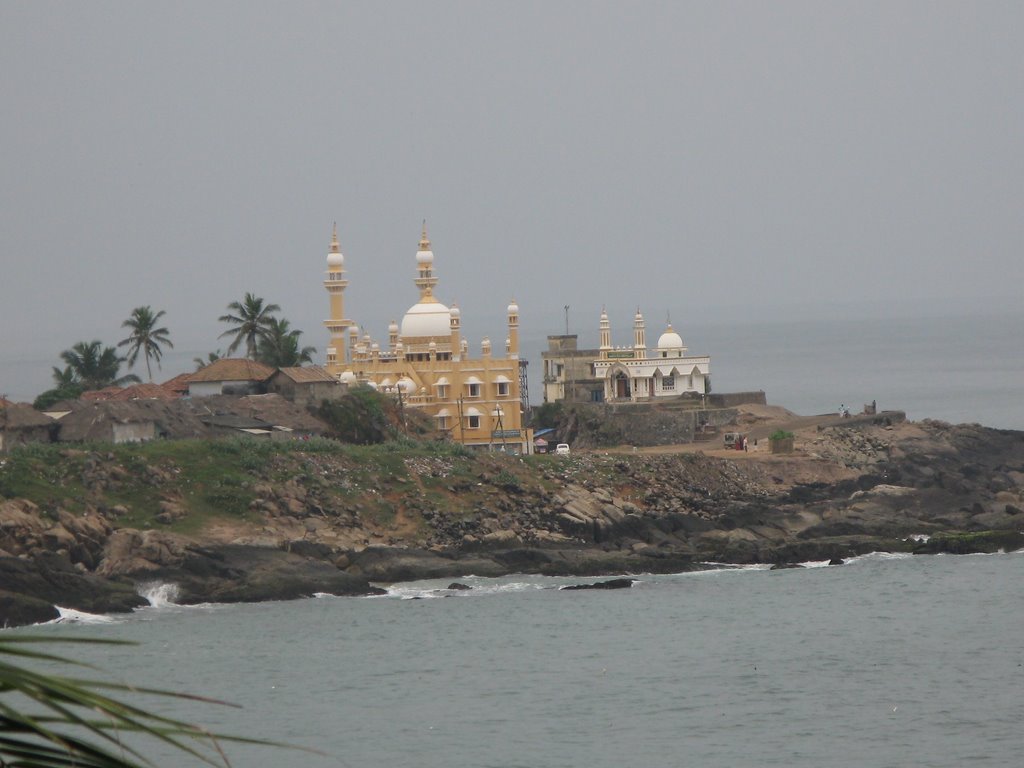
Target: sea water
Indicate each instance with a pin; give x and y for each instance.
(884, 661)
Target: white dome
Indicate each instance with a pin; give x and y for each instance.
(433, 319)
(513, 308)
(455, 312)
(335, 260)
(670, 340)
(407, 385)
(424, 257)
(347, 377)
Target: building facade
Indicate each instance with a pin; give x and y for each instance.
(426, 362)
(631, 373)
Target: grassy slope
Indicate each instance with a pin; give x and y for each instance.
(216, 480)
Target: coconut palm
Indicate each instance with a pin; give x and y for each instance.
(211, 357)
(95, 366)
(250, 318)
(145, 337)
(53, 721)
(279, 346)
(66, 387)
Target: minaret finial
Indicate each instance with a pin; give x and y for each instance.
(335, 246)
(424, 240)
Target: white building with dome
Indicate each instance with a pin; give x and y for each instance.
(632, 373)
(426, 362)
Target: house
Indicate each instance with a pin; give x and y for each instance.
(20, 423)
(148, 391)
(178, 386)
(255, 415)
(229, 376)
(305, 386)
(108, 422)
(128, 421)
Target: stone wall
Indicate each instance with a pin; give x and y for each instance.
(732, 399)
(639, 424)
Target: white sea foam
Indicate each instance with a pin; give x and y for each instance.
(873, 556)
(159, 594)
(71, 616)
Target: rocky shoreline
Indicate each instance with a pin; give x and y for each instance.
(87, 531)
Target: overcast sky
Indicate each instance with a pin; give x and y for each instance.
(687, 158)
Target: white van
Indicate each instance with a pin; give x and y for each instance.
(562, 448)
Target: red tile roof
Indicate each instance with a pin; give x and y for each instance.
(179, 384)
(308, 374)
(233, 369)
(144, 392)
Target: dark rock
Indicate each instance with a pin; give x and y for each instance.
(54, 580)
(457, 586)
(836, 561)
(237, 573)
(17, 610)
(610, 584)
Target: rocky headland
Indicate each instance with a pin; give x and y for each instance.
(243, 520)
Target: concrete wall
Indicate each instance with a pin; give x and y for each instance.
(134, 432)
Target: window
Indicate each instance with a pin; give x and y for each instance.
(472, 422)
(502, 389)
(690, 384)
(442, 391)
(474, 390)
(442, 423)
(668, 383)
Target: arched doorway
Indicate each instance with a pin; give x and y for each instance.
(621, 385)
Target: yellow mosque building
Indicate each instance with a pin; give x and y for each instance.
(426, 362)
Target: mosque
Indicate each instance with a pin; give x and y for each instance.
(426, 362)
(623, 374)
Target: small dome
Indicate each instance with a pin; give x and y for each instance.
(393, 327)
(433, 319)
(513, 308)
(335, 260)
(670, 340)
(347, 377)
(424, 257)
(455, 312)
(407, 385)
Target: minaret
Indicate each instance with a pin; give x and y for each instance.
(513, 331)
(425, 279)
(335, 285)
(639, 335)
(455, 323)
(392, 336)
(606, 334)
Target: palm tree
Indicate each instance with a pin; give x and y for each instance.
(145, 337)
(66, 387)
(250, 320)
(211, 357)
(49, 720)
(279, 346)
(95, 366)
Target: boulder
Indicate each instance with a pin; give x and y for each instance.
(610, 584)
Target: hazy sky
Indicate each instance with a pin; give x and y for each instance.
(701, 159)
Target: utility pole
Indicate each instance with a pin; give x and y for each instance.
(566, 319)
